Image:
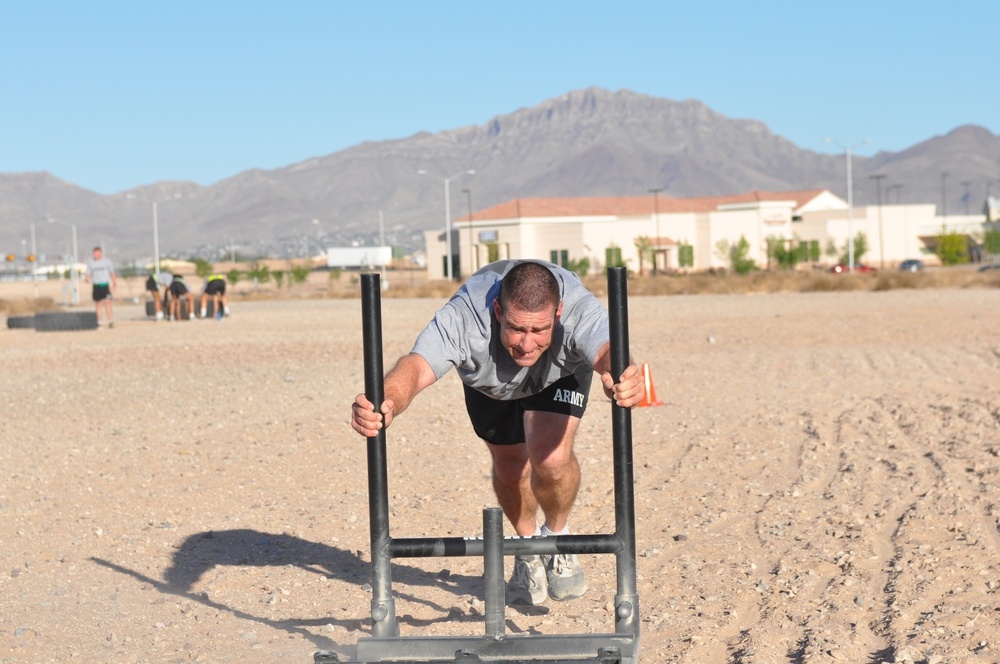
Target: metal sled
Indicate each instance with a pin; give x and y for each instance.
(494, 646)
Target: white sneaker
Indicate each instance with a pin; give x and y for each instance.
(527, 582)
(565, 577)
(191, 316)
(159, 315)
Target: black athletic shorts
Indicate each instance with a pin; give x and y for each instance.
(502, 422)
(101, 292)
(178, 288)
(151, 285)
(215, 287)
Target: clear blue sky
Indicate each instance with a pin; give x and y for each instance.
(112, 95)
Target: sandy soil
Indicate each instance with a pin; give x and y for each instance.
(820, 485)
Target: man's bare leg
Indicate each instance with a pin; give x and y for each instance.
(512, 485)
(555, 471)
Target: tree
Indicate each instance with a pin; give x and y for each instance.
(736, 255)
(128, 270)
(581, 266)
(991, 243)
(860, 249)
(644, 247)
(259, 273)
(952, 247)
(739, 259)
(279, 278)
(202, 267)
(831, 248)
(234, 276)
(722, 250)
(777, 250)
(298, 275)
(814, 251)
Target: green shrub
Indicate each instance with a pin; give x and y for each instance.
(952, 248)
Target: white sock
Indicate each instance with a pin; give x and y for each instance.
(545, 532)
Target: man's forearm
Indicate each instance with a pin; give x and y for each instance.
(410, 375)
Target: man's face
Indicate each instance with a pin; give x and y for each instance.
(98, 253)
(526, 334)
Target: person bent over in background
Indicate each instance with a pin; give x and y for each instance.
(101, 273)
(178, 289)
(215, 288)
(526, 338)
(153, 287)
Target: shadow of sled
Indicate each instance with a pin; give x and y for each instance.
(201, 552)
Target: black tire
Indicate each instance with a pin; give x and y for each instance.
(21, 322)
(150, 308)
(66, 321)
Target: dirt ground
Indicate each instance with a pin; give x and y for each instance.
(819, 485)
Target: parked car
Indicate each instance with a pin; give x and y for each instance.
(911, 265)
(841, 268)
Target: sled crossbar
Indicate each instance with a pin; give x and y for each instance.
(386, 646)
(456, 547)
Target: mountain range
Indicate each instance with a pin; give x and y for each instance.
(589, 142)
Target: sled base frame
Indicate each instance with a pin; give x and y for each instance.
(534, 649)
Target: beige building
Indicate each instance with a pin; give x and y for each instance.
(680, 234)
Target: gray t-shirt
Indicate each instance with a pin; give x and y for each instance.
(465, 334)
(100, 270)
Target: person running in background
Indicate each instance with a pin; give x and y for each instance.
(101, 273)
(215, 288)
(153, 288)
(178, 289)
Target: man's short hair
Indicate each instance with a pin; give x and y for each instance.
(530, 287)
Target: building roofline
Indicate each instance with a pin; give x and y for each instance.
(624, 206)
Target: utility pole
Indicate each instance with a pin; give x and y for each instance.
(472, 249)
(656, 213)
(944, 198)
(881, 238)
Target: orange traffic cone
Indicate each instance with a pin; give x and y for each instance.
(649, 397)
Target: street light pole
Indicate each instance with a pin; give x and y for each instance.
(156, 245)
(74, 274)
(944, 198)
(850, 195)
(34, 263)
(449, 271)
(881, 238)
(656, 215)
(989, 184)
(381, 243)
(898, 188)
(472, 255)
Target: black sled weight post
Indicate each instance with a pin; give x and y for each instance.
(495, 646)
